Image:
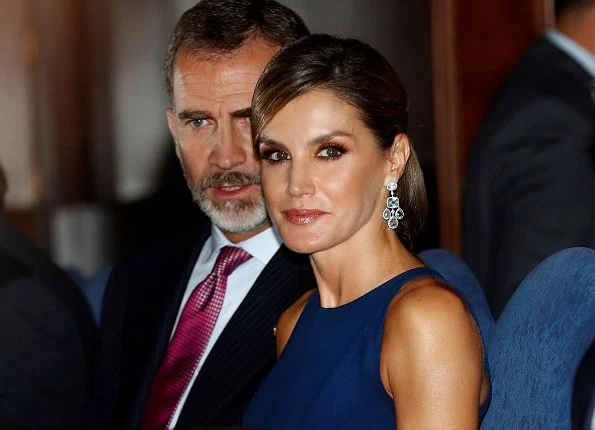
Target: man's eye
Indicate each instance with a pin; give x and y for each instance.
(331, 152)
(198, 123)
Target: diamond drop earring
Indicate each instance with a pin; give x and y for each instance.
(393, 212)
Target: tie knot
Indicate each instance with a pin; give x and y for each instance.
(229, 258)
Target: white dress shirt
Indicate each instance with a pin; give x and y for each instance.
(575, 51)
(262, 247)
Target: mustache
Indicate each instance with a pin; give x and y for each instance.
(230, 178)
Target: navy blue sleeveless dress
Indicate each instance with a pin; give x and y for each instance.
(328, 375)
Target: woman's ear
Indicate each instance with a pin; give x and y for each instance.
(398, 156)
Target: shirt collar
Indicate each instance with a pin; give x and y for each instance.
(575, 51)
(262, 246)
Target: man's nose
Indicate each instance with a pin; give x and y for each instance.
(231, 148)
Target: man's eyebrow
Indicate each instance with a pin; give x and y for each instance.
(193, 114)
(242, 113)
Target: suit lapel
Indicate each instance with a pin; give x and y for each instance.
(245, 351)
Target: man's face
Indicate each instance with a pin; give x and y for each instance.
(210, 124)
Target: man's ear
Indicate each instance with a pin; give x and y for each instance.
(171, 124)
(398, 156)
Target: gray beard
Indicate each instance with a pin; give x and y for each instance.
(236, 216)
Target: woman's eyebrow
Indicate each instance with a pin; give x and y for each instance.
(327, 136)
(270, 142)
(265, 140)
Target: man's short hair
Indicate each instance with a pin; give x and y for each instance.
(222, 26)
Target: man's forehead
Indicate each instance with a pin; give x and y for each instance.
(216, 79)
(253, 56)
(250, 45)
(222, 77)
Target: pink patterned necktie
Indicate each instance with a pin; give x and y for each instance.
(190, 340)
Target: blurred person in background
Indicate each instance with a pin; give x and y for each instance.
(188, 324)
(530, 186)
(47, 335)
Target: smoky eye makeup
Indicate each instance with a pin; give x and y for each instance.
(273, 153)
(331, 150)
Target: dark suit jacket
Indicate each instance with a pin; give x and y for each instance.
(140, 307)
(47, 336)
(531, 181)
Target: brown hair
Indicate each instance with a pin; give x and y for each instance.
(358, 74)
(222, 26)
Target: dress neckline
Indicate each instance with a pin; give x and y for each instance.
(399, 279)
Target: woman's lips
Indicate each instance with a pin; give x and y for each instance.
(302, 216)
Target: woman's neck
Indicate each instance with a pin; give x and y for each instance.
(354, 267)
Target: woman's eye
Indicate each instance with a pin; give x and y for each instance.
(330, 152)
(279, 156)
(274, 155)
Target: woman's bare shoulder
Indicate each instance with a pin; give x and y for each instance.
(425, 317)
(426, 302)
(432, 357)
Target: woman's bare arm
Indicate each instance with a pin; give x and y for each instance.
(431, 359)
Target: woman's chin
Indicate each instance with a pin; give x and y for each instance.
(301, 239)
(300, 248)
(301, 245)
(304, 245)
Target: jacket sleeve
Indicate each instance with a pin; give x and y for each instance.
(43, 367)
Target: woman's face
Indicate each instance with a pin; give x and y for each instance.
(323, 174)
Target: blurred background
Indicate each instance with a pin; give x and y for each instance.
(83, 136)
